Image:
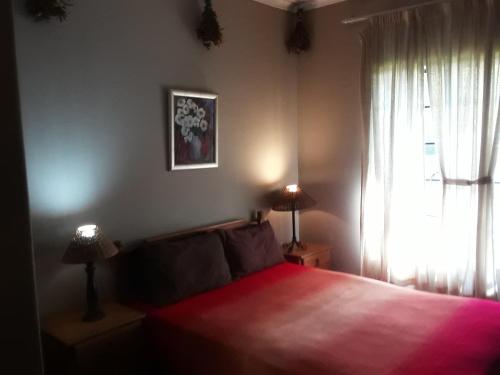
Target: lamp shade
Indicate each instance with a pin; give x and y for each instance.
(89, 245)
(292, 198)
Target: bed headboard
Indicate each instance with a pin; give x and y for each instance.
(127, 280)
(199, 230)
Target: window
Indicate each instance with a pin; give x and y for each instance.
(416, 227)
(432, 168)
(403, 269)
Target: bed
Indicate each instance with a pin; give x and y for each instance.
(290, 319)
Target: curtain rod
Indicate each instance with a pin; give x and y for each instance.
(366, 17)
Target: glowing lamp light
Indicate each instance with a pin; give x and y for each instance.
(87, 231)
(292, 198)
(88, 246)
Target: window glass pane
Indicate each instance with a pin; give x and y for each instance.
(433, 185)
(427, 97)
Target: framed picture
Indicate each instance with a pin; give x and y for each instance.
(193, 130)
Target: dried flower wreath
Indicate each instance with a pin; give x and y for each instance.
(43, 10)
(299, 40)
(209, 31)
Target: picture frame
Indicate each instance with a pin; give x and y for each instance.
(193, 130)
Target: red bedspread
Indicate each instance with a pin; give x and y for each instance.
(299, 320)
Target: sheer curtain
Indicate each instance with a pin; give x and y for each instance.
(458, 43)
(462, 40)
(393, 181)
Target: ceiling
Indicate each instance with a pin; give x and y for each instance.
(289, 4)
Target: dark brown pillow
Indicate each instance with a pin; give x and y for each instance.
(251, 249)
(174, 270)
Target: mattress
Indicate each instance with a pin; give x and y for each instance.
(291, 319)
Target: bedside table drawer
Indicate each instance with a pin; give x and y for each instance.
(318, 260)
(112, 345)
(312, 255)
(120, 351)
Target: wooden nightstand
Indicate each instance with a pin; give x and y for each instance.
(113, 345)
(313, 255)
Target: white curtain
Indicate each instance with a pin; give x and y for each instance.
(458, 43)
(462, 40)
(393, 172)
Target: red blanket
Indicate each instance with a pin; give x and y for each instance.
(298, 320)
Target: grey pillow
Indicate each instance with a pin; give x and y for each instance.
(174, 270)
(251, 249)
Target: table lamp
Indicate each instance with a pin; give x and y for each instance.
(293, 198)
(88, 246)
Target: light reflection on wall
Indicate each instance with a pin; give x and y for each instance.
(282, 225)
(322, 226)
(67, 178)
(270, 164)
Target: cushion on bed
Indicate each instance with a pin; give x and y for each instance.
(173, 270)
(251, 249)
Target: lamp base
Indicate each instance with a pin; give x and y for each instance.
(294, 245)
(93, 316)
(94, 313)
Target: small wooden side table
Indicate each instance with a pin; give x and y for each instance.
(113, 345)
(314, 255)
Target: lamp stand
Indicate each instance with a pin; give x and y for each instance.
(93, 313)
(294, 244)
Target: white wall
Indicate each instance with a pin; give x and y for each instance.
(94, 110)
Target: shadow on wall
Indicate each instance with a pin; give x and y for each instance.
(280, 221)
(334, 222)
(189, 12)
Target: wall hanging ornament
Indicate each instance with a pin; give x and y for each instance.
(44, 10)
(209, 31)
(299, 39)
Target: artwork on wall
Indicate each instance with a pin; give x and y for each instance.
(193, 130)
